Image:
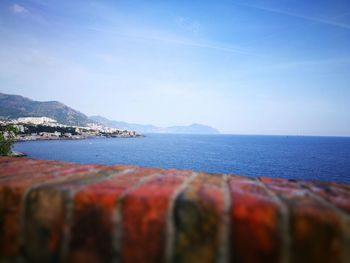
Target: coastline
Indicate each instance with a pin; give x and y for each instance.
(17, 154)
(77, 137)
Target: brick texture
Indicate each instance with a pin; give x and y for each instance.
(62, 212)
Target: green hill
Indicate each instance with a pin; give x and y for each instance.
(14, 106)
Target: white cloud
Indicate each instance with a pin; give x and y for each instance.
(18, 9)
(329, 22)
(23, 12)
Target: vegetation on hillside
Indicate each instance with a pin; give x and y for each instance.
(14, 106)
(7, 138)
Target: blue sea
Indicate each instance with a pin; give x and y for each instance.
(297, 157)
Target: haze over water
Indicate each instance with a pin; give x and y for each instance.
(319, 158)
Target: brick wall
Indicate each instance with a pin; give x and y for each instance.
(62, 212)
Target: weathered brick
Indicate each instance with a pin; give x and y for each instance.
(198, 218)
(27, 167)
(93, 224)
(13, 190)
(48, 212)
(64, 212)
(315, 228)
(144, 213)
(256, 218)
(337, 195)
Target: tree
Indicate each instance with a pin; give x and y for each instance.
(7, 138)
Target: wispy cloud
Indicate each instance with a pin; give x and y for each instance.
(188, 24)
(328, 63)
(324, 21)
(25, 13)
(19, 9)
(174, 39)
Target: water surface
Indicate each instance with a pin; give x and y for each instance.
(321, 158)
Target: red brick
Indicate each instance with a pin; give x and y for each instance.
(96, 213)
(13, 189)
(18, 168)
(315, 228)
(338, 196)
(48, 212)
(199, 220)
(93, 219)
(144, 213)
(256, 232)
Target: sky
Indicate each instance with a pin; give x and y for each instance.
(243, 67)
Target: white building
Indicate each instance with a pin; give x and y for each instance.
(36, 120)
(68, 134)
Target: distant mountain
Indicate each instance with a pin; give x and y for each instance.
(14, 106)
(191, 129)
(125, 125)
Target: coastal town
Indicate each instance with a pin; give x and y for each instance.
(44, 128)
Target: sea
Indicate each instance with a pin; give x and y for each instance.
(292, 157)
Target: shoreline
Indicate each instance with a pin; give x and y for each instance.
(41, 138)
(17, 154)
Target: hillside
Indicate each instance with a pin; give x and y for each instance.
(125, 125)
(14, 106)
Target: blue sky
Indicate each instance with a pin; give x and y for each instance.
(244, 67)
